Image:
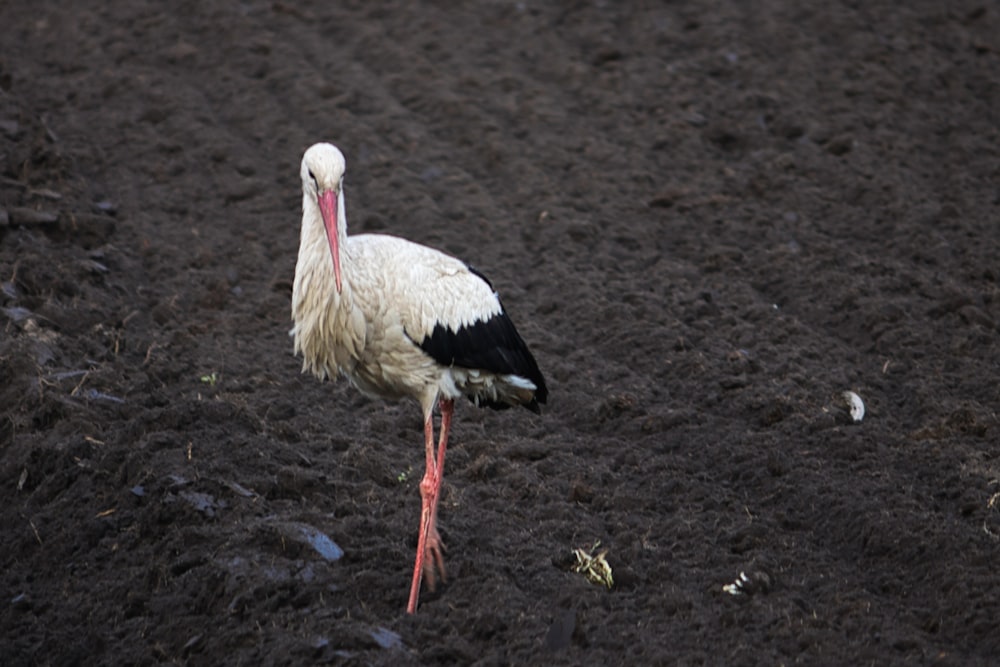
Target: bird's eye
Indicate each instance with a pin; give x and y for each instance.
(312, 176)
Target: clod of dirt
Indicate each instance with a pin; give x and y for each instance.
(313, 537)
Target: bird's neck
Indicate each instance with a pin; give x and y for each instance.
(315, 263)
(314, 232)
(317, 307)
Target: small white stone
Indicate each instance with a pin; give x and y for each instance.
(736, 588)
(856, 405)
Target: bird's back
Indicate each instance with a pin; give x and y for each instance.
(430, 319)
(423, 285)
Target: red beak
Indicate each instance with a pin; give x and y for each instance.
(328, 207)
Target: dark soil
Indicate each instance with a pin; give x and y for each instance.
(708, 219)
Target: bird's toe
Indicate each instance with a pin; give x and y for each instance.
(433, 564)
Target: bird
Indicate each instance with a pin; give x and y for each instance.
(402, 320)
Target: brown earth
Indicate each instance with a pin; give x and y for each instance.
(709, 219)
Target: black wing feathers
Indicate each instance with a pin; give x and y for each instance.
(493, 345)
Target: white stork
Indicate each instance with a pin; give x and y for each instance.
(401, 319)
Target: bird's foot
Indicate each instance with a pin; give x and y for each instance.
(433, 562)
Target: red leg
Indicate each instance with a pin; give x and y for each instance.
(429, 560)
(435, 545)
(425, 485)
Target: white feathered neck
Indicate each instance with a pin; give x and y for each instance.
(323, 331)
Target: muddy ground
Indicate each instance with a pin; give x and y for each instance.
(708, 219)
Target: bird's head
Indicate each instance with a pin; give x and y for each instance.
(322, 174)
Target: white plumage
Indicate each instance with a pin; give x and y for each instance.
(401, 320)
